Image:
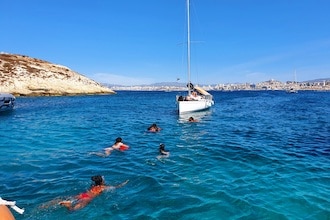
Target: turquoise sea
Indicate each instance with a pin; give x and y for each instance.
(254, 155)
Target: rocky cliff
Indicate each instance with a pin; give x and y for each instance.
(26, 76)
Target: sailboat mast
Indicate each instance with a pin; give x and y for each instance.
(188, 44)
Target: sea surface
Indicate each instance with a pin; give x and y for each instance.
(254, 155)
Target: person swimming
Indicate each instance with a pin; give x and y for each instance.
(83, 199)
(118, 145)
(191, 119)
(162, 151)
(154, 128)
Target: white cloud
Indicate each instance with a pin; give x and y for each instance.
(119, 79)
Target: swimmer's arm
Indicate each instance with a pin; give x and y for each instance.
(165, 152)
(122, 184)
(117, 186)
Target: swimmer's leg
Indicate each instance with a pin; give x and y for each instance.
(75, 204)
(51, 203)
(98, 154)
(66, 203)
(81, 204)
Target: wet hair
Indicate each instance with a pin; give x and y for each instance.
(162, 147)
(98, 180)
(118, 139)
(152, 126)
(162, 150)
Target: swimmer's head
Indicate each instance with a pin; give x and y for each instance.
(154, 125)
(162, 146)
(98, 180)
(118, 139)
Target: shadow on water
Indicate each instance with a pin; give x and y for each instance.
(7, 113)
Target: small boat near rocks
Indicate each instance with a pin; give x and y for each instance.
(7, 102)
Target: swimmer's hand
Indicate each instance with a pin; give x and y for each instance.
(122, 184)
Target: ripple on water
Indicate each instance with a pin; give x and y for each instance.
(255, 155)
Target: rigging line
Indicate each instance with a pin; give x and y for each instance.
(194, 50)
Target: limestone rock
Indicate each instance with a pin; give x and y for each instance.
(26, 76)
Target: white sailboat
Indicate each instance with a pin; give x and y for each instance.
(293, 89)
(197, 98)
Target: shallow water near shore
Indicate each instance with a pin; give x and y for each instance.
(254, 155)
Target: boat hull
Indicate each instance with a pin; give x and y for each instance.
(292, 90)
(194, 105)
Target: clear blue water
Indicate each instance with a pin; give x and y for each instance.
(255, 155)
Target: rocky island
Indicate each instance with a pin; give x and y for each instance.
(25, 76)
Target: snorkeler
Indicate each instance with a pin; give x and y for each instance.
(81, 200)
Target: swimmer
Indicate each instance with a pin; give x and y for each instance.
(81, 200)
(162, 151)
(191, 119)
(118, 145)
(154, 128)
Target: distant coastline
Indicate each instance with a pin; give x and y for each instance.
(272, 85)
(26, 76)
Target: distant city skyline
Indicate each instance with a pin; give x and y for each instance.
(273, 85)
(143, 42)
(183, 84)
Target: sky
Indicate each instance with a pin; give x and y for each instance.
(140, 42)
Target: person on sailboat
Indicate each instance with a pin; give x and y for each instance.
(195, 96)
